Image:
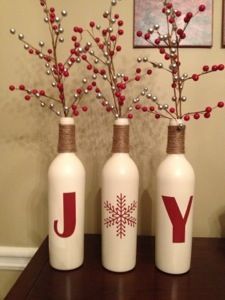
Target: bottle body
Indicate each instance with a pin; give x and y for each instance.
(66, 193)
(120, 182)
(174, 214)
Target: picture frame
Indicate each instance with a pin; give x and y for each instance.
(223, 26)
(199, 32)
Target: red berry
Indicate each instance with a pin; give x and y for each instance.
(183, 36)
(102, 72)
(31, 51)
(205, 68)
(92, 24)
(137, 78)
(167, 56)
(52, 9)
(221, 67)
(130, 116)
(189, 15)
(169, 5)
(186, 118)
(66, 73)
(108, 109)
(97, 39)
(195, 77)
(139, 33)
(21, 87)
(208, 109)
(125, 78)
(74, 107)
(84, 56)
(151, 108)
(84, 108)
(138, 106)
(118, 48)
(180, 31)
(220, 104)
(79, 91)
(173, 85)
(42, 92)
(178, 13)
(207, 115)
(113, 38)
(171, 20)
(172, 110)
(157, 116)
(34, 91)
(89, 67)
(162, 50)
(147, 36)
(116, 16)
(12, 87)
(80, 29)
(196, 116)
(120, 32)
(157, 41)
(27, 97)
(149, 71)
(75, 113)
(120, 23)
(202, 7)
(144, 108)
(122, 98)
(138, 70)
(214, 68)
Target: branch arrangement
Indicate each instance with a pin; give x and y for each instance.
(168, 44)
(58, 70)
(101, 62)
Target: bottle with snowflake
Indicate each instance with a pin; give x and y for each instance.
(120, 181)
(175, 175)
(120, 177)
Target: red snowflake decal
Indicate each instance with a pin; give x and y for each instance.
(120, 215)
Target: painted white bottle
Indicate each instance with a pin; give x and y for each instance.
(174, 206)
(120, 183)
(66, 192)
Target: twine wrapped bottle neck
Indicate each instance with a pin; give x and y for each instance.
(66, 142)
(120, 139)
(176, 140)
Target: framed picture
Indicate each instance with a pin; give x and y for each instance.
(147, 13)
(223, 25)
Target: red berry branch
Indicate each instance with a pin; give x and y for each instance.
(58, 70)
(100, 61)
(168, 45)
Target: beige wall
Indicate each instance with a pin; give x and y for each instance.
(29, 134)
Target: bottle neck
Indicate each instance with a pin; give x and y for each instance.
(176, 140)
(66, 142)
(120, 139)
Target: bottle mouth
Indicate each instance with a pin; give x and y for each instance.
(176, 122)
(66, 121)
(121, 121)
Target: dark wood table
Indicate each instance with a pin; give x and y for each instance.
(206, 280)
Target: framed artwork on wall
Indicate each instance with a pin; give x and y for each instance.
(147, 13)
(223, 25)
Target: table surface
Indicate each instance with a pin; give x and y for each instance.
(205, 280)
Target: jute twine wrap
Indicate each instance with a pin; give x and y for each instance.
(66, 141)
(176, 139)
(120, 139)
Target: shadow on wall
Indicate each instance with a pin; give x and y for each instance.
(222, 223)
